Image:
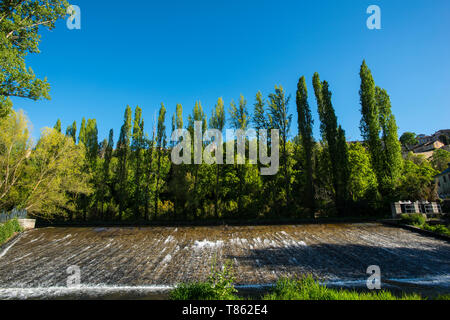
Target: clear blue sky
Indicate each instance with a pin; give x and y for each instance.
(147, 52)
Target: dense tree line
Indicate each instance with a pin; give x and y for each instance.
(74, 176)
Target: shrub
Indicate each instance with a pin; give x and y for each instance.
(415, 219)
(218, 287)
(438, 229)
(8, 229)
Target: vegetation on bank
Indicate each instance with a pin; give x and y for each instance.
(8, 229)
(419, 221)
(220, 287)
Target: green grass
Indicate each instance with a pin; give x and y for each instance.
(307, 288)
(440, 228)
(303, 288)
(419, 221)
(8, 228)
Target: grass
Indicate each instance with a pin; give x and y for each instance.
(220, 287)
(8, 229)
(307, 288)
(419, 221)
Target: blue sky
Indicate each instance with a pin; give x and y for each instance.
(147, 52)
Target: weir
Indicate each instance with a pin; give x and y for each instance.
(145, 261)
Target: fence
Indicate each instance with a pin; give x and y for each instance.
(15, 213)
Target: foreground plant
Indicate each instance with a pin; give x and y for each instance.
(218, 287)
(308, 288)
(8, 229)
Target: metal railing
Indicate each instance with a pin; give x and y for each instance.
(15, 213)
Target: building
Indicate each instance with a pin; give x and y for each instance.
(443, 182)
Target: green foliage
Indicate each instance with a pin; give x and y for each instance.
(408, 139)
(218, 287)
(335, 143)
(417, 179)
(440, 228)
(370, 121)
(362, 181)
(307, 288)
(440, 159)
(8, 229)
(415, 219)
(20, 22)
(305, 125)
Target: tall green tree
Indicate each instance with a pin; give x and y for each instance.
(71, 131)
(370, 121)
(281, 119)
(82, 134)
(137, 149)
(392, 160)
(20, 22)
(160, 146)
(239, 119)
(218, 122)
(305, 125)
(123, 154)
(334, 138)
(57, 126)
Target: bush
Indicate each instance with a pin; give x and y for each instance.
(438, 229)
(8, 229)
(307, 288)
(218, 287)
(415, 219)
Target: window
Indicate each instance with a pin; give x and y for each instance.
(445, 179)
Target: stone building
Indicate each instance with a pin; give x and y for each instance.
(443, 182)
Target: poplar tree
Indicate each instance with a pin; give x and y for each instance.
(105, 185)
(239, 118)
(71, 131)
(335, 141)
(160, 146)
(305, 124)
(370, 123)
(57, 126)
(392, 151)
(123, 153)
(218, 122)
(137, 148)
(281, 119)
(82, 134)
(197, 115)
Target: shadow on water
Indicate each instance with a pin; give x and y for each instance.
(344, 265)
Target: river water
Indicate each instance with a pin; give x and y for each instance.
(147, 262)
